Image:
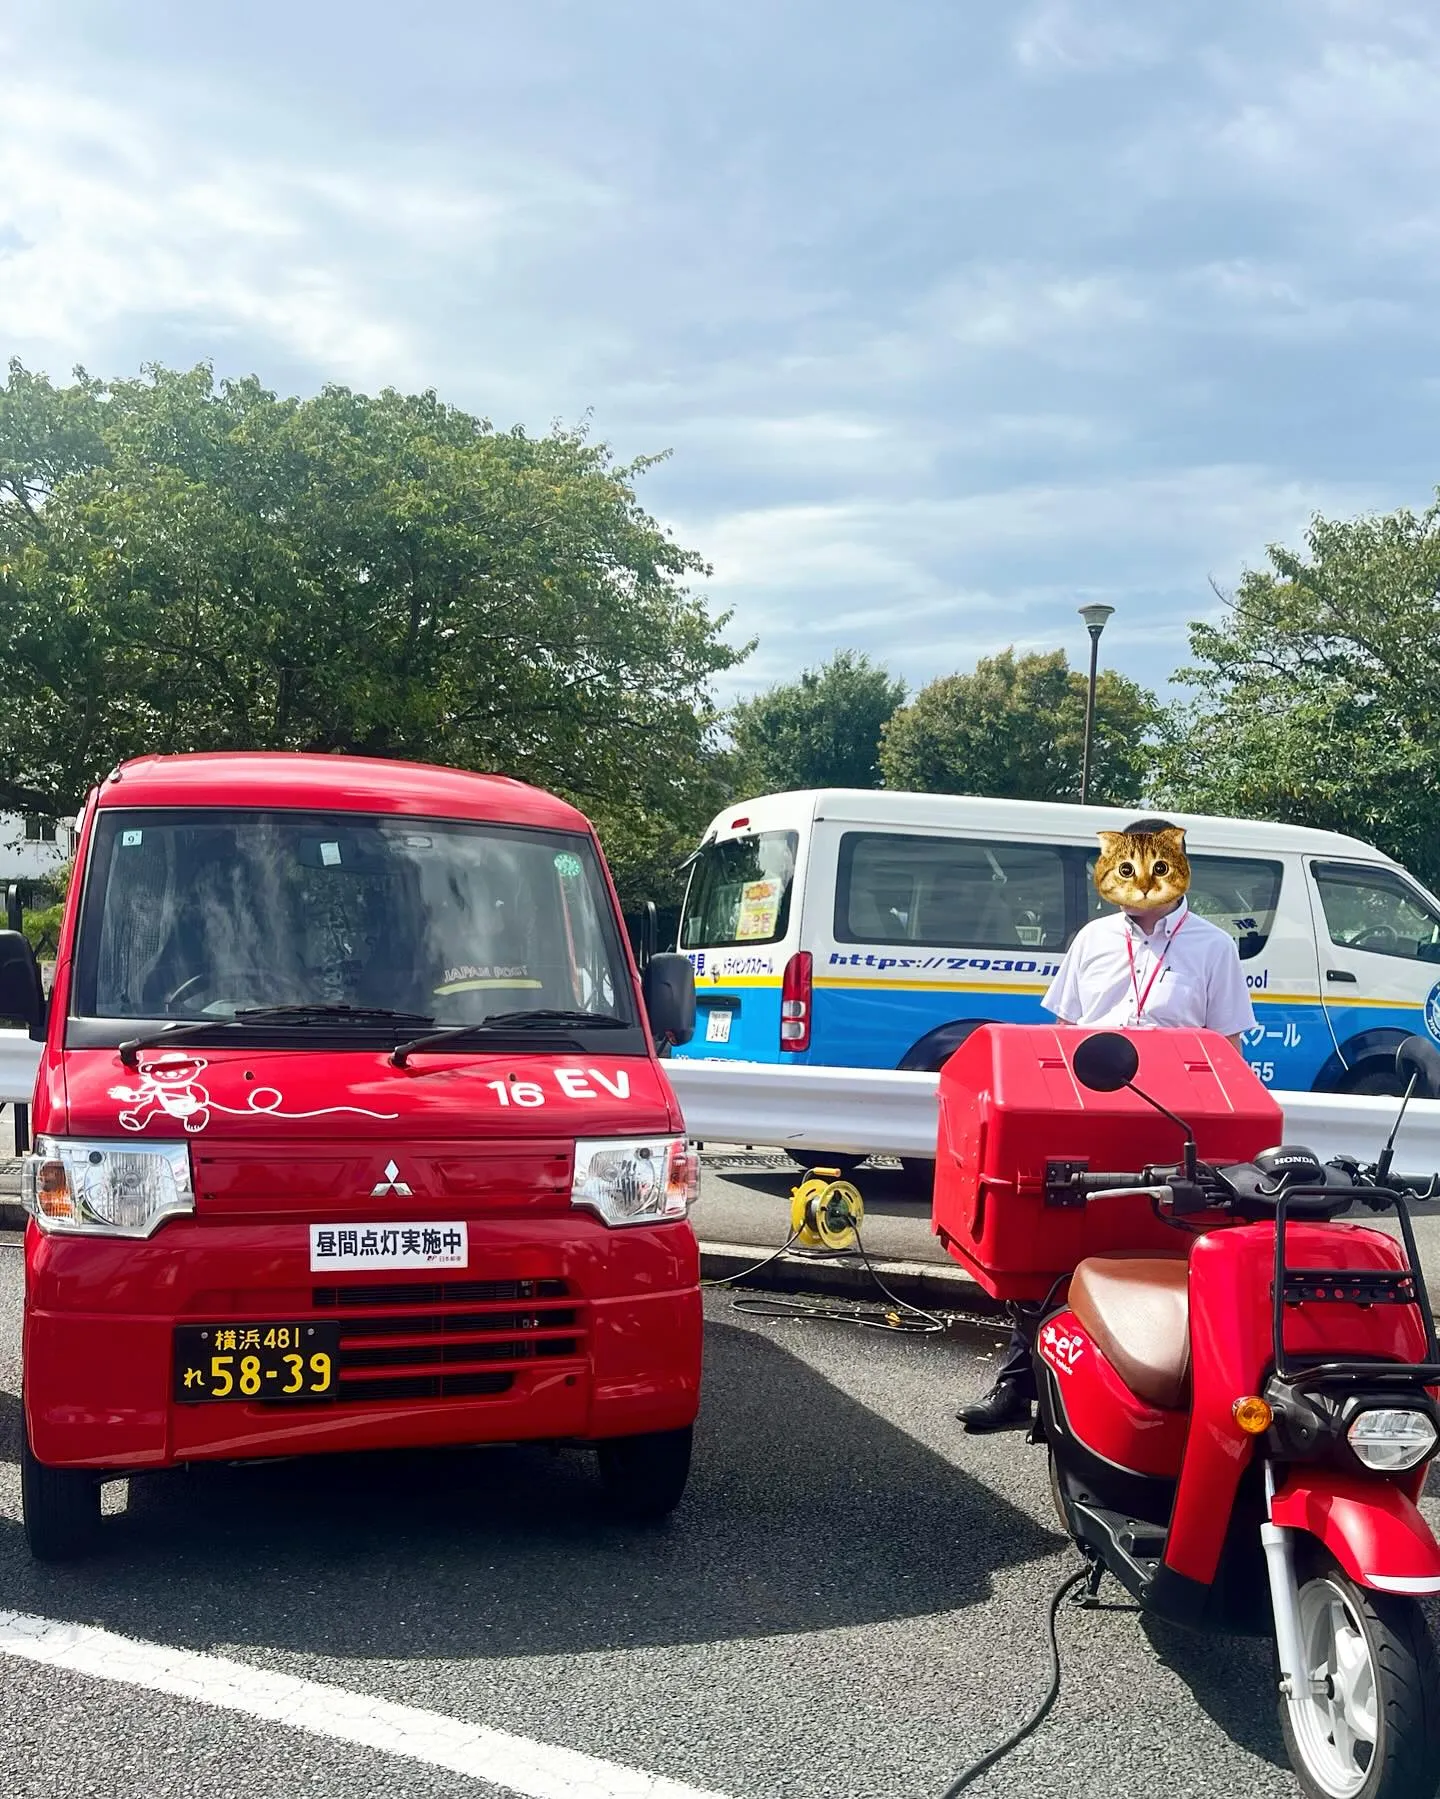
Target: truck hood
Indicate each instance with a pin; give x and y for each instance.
(299, 1096)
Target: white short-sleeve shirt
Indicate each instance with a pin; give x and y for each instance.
(1186, 971)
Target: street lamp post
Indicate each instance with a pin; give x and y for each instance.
(1095, 617)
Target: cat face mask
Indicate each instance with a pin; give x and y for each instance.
(1142, 871)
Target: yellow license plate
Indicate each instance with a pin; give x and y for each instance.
(258, 1364)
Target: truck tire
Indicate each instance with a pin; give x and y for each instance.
(60, 1507)
(643, 1478)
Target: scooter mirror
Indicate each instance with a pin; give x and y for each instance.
(1418, 1059)
(1106, 1062)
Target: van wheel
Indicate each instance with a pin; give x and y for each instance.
(643, 1478)
(1375, 1080)
(60, 1507)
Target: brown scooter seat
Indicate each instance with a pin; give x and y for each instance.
(1137, 1309)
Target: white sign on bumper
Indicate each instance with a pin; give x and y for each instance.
(348, 1248)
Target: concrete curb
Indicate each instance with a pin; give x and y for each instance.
(927, 1284)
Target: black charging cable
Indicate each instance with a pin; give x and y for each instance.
(1042, 1711)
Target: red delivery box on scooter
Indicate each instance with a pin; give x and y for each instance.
(1015, 1123)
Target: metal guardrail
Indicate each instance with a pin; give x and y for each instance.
(882, 1111)
(887, 1112)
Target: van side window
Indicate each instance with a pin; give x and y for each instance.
(1239, 893)
(1372, 909)
(895, 888)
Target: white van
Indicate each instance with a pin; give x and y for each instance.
(876, 930)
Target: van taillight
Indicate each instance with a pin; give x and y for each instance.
(795, 1002)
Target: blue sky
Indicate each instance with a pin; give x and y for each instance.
(954, 314)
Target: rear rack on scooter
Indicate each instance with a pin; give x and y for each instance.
(1349, 1286)
(1357, 1286)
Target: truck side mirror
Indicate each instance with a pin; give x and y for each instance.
(22, 995)
(668, 983)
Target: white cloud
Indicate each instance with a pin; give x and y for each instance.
(930, 584)
(109, 221)
(1059, 36)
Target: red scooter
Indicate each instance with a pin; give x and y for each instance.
(1239, 1425)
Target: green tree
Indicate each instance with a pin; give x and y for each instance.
(186, 564)
(1015, 729)
(1317, 694)
(820, 731)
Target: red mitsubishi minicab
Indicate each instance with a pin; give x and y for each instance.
(350, 1135)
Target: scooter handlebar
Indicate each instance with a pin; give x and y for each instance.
(1416, 1186)
(1092, 1184)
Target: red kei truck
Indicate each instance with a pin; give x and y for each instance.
(350, 1135)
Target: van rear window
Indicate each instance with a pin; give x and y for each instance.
(740, 891)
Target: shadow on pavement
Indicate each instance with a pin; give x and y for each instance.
(1232, 1679)
(806, 1511)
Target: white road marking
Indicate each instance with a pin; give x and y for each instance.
(535, 1770)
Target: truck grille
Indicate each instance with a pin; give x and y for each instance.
(443, 1339)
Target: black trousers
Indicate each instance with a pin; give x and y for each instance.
(1016, 1365)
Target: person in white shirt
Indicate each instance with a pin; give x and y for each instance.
(1148, 966)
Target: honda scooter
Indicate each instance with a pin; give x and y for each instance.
(1239, 1424)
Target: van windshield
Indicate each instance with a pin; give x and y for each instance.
(739, 891)
(204, 914)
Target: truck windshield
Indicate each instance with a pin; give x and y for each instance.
(204, 914)
(739, 891)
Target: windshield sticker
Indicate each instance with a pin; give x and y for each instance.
(172, 1090)
(130, 839)
(759, 910)
(568, 867)
(330, 855)
(486, 971)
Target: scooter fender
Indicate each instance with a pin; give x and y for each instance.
(1373, 1528)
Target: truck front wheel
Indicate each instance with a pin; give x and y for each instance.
(60, 1506)
(644, 1477)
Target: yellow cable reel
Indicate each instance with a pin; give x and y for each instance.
(824, 1211)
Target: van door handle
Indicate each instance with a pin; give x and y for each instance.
(1339, 974)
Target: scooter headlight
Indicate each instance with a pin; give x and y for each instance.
(1391, 1439)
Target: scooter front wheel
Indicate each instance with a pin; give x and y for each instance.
(1367, 1723)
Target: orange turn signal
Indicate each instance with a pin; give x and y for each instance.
(1252, 1414)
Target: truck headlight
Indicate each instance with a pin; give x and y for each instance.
(105, 1189)
(635, 1180)
(1392, 1438)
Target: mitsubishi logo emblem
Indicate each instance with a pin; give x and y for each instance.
(391, 1183)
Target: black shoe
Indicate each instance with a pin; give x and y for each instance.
(1003, 1408)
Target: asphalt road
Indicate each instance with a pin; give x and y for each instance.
(849, 1602)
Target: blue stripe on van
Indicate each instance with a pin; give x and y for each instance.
(873, 1026)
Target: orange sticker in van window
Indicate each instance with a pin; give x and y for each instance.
(759, 909)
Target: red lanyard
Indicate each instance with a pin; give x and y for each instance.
(1140, 998)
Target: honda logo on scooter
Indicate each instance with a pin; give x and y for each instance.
(390, 1182)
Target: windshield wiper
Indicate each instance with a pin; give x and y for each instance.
(320, 1013)
(507, 1024)
(298, 1014)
